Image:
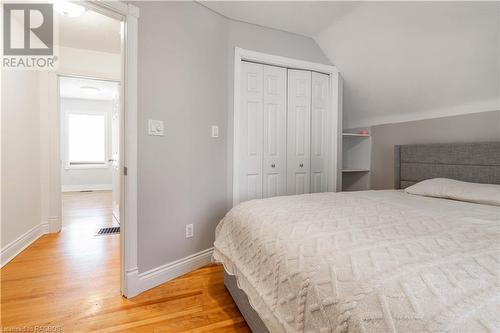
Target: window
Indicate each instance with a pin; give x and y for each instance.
(86, 139)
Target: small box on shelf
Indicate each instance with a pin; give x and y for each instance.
(356, 135)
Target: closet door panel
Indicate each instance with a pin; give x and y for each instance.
(274, 167)
(320, 119)
(299, 131)
(251, 131)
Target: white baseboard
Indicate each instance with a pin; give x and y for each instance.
(54, 223)
(18, 245)
(87, 187)
(140, 282)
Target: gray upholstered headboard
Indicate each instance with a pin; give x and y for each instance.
(470, 162)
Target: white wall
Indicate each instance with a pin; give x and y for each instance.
(89, 63)
(413, 60)
(77, 179)
(20, 154)
(185, 79)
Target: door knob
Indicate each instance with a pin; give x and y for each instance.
(273, 165)
(301, 165)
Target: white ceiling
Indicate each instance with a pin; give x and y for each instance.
(306, 18)
(91, 31)
(400, 61)
(71, 88)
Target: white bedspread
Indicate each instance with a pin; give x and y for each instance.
(374, 261)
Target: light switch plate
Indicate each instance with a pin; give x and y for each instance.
(189, 230)
(215, 131)
(155, 127)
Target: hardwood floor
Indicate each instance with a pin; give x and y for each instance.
(70, 281)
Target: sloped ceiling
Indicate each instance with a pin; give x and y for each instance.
(299, 17)
(415, 60)
(400, 60)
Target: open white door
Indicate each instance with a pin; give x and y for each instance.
(114, 161)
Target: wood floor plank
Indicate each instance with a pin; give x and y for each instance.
(71, 280)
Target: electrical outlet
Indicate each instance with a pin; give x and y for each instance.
(189, 230)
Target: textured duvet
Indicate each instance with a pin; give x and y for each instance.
(374, 261)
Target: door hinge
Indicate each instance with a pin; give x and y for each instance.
(125, 171)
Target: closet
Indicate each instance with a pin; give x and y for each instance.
(284, 132)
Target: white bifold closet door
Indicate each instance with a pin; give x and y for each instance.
(251, 132)
(283, 131)
(262, 132)
(320, 135)
(299, 132)
(307, 145)
(274, 169)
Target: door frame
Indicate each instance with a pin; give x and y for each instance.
(334, 176)
(50, 140)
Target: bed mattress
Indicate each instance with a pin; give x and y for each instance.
(371, 261)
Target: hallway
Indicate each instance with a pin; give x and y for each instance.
(49, 282)
(70, 281)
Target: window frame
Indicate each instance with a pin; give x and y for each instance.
(107, 141)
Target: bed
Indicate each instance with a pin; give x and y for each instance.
(371, 261)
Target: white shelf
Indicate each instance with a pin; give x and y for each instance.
(356, 160)
(356, 135)
(356, 170)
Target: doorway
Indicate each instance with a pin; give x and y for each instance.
(84, 134)
(90, 151)
(122, 67)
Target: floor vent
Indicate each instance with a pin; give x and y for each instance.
(108, 231)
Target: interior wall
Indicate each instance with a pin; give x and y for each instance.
(181, 175)
(477, 127)
(89, 63)
(20, 154)
(77, 179)
(185, 79)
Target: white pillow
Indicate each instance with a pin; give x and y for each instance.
(488, 194)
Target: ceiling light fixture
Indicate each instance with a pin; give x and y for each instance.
(67, 8)
(89, 90)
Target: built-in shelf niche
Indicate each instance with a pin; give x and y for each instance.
(356, 160)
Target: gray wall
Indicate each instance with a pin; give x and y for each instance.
(185, 79)
(20, 154)
(484, 126)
